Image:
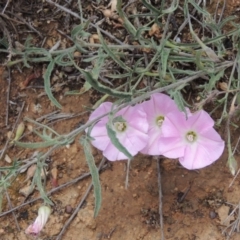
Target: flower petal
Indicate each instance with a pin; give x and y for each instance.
(101, 142)
(99, 133)
(200, 121)
(159, 105)
(136, 118)
(196, 157)
(133, 139)
(208, 148)
(40, 221)
(152, 147)
(163, 104)
(102, 109)
(113, 154)
(212, 141)
(172, 147)
(174, 125)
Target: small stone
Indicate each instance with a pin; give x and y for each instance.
(30, 127)
(68, 209)
(7, 159)
(26, 191)
(31, 171)
(76, 54)
(68, 69)
(10, 135)
(135, 195)
(212, 214)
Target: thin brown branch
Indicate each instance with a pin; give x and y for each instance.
(14, 215)
(8, 94)
(75, 180)
(160, 199)
(59, 237)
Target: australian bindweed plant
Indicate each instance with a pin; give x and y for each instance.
(132, 72)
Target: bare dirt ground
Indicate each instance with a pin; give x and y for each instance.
(126, 214)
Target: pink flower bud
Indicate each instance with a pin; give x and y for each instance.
(43, 214)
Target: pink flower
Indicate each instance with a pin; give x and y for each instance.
(194, 141)
(157, 110)
(131, 131)
(37, 226)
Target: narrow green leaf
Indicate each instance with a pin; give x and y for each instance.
(41, 125)
(28, 41)
(63, 59)
(181, 71)
(111, 54)
(101, 100)
(116, 76)
(79, 29)
(99, 87)
(90, 59)
(98, 63)
(126, 23)
(86, 87)
(198, 59)
(37, 179)
(171, 9)
(47, 84)
(213, 80)
(199, 9)
(179, 101)
(151, 7)
(31, 51)
(81, 48)
(113, 137)
(38, 144)
(226, 20)
(164, 56)
(94, 173)
(103, 89)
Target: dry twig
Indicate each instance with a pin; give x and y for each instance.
(13, 213)
(59, 237)
(8, 94)
(75, 180)
(160, 198)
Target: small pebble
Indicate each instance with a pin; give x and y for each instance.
(212, 214)
(7, 159)
(68, 209)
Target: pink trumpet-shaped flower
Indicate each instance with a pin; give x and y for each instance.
(194, 140)
(157, 110)
(131, 131)
(37, 226)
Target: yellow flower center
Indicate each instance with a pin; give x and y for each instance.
(120, 126)
(191, 136)
(160, 120)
